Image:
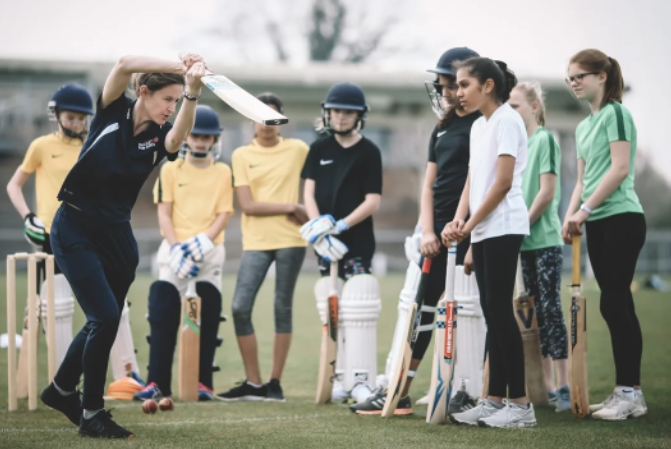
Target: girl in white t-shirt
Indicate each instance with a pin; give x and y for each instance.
(498, 222)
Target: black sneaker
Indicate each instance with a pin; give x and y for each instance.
(274, 391)
(375, 403)
(102, 426)
(244, 392)
(69, 405)
(461, 402)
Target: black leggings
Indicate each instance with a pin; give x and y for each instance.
(495, 262)
(613, 244)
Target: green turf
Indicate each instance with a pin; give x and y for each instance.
(299, 423)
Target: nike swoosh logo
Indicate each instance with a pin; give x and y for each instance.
(323, 162)
(440, 134)
(54, 156)
(182, 185)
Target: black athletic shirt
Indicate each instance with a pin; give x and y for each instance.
(113, 164)
(449, 149)
(343, 177)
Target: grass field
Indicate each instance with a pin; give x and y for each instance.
(299, 423)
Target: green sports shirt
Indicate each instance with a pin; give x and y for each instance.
(543, 156)
(613, 123)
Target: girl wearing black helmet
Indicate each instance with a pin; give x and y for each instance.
(266, 176)
(493, 212)
(91, 234)
(343, 184)
(194, 196)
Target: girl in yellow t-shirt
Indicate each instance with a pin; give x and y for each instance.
(266, 176)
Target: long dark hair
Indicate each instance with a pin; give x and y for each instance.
(483, 69)
(597, 61)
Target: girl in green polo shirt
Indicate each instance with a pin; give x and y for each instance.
(604, 199)
(541, 253)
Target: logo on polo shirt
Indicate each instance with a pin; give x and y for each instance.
(148, 144)
(323, 162)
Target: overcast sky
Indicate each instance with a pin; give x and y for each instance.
(535, 38)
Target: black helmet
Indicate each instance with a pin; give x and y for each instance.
(444, 66)
(206, 124)
(70, 97)
(347, 96)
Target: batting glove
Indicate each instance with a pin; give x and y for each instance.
(196, 247)
(317, 228)
(183, 266)
(34, 231)
(330, 249)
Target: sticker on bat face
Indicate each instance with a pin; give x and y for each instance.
(221, 83)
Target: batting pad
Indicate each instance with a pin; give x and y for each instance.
(472, 332)
(122, 356)
(360, 307)
(405, 301)
(64, 308)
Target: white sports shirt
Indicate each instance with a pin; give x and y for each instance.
(503, 133)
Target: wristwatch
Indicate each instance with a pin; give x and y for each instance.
(190, 97)
(586, 209)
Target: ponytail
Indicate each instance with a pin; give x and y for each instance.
(597, 61)
(484, 68)
(534, 94)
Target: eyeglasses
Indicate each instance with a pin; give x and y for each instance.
(579, 77)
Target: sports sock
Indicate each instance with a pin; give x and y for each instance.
(88, 414)
(254, 385)
(627, 391)
(61, 391)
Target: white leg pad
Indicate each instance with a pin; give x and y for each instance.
(322, 288)
(64, 308)
(405, 301)
(360, 308)
(122, 356)
(472, 332)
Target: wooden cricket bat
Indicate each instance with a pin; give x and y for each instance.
(400, 369)
(444, 359)
(329, 350)
(525, 314)
(189, 345)
(577, 351)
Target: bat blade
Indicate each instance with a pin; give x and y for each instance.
(242, 101)
(189, 346)
(525, 314)
(329, 348)
(577, 351)
(444, 363)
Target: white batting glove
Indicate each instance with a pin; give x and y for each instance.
(196, 247)
(412, 246)
(317, 228)
(34, 231)
(183, 266)
(330, 249)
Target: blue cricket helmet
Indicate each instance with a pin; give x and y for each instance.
(71, 97)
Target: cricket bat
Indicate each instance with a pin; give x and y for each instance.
(577, 351)
(400, 369)
(241, 100)
(444, 348)
(189, 345)
(329, 350)
(525, 314)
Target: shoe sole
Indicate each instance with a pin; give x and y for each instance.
(632, 415)
(402, 412)
(274, 400)
(85, 434)
(242, 399)
(518, 425)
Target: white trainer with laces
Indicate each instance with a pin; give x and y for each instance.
(511, 416)
(622, 407)
(424, 400)
(596, 407)
(471, 417)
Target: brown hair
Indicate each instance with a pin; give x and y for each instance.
(597, 61)
(534, 94)
(155, 81)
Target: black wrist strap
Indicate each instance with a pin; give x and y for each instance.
(190, 97)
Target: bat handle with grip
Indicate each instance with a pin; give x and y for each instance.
(191, 289)
(182, 54)
(519, 278)
(449, 277)
(576, 261)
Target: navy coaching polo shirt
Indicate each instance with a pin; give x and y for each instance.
(113, 164)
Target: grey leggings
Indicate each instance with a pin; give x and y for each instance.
(253, 268)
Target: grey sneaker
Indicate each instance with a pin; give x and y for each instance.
(375, 403)
(596, 407)
(622, 407)
(552, 397)
(511, 416)
(563, 402)
(483, 409)
(461, 402)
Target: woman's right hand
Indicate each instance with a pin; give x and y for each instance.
(298, 215)
(565, 234)
(452, 231)
(430, 245)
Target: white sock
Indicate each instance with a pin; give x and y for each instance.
(523, 407)
(627, 391)
(254, 385)
(88, 414)
(638, 393)
(61, 391)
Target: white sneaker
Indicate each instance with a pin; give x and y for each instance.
(471, 417)
(606, 402)
(424, 400)
(622, 407)
(511, 416)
